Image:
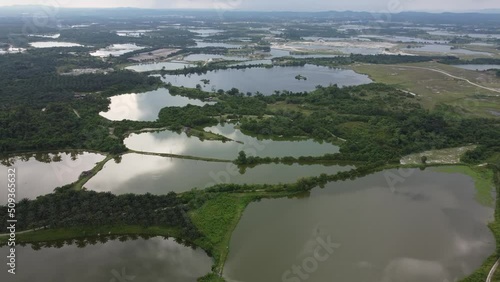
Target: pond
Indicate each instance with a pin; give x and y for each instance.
(133, 33)
(446, 49)
(346, 50)
(159, 66)
(38, 174)
(145, 106)
(156, 259)
(477, 67)
(205, 32)
(53, 44)
(115, 50)
(170, 142)
(160, 175)
(406, 39)
(276, 53)
(267, 80)
(203, 44)
(428, 227)
(208, 57)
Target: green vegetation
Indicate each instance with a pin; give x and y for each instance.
(68, 208)
(379, 123)
(355, 58)
(41, 237)
(300, 77)
(216, 220)
(475, 61)
(38, 105)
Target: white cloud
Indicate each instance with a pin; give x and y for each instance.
(297, 5)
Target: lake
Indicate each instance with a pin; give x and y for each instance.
(477, 67)
(116, 50)
(145, 106)
(209, 57)
(446, 49)
(159, 66)
(203, 44)
(53, 44)
(276, 53)
(156, 259)
(427, 228)
(38, 174)
(140, 174)
(170, 142)
(267, 80)
(133, 33)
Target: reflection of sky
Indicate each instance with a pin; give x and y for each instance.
(36, 178)
(158, 66)
(437, 48)
(116, 50)
(477, 67)
(283, 78)
(156, 259)
(50, 44)
(383, 235)
(131, 166)
(141, 174)
(145, 106)
(206, 57)
(180, 144)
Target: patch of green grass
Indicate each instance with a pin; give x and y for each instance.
(483, 180)
(217, 219)
(434, 88)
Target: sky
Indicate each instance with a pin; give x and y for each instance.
(392, 6)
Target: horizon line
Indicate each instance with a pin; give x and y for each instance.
(481, 11)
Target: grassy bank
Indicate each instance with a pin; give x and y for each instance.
(216, 220)
(80, 182)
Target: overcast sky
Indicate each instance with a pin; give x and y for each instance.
(274, 5)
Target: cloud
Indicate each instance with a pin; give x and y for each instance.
(276, 5)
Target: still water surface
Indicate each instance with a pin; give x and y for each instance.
(428, 228)
(267, 80)
(140, 174)
(170, 142)
(39, 174)
(156, 259)
(145, 106)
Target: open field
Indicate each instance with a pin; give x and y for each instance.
(444, 156)
(433, 87)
